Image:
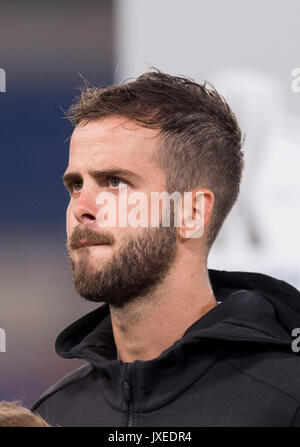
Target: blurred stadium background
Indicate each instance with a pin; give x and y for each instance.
(247, 49)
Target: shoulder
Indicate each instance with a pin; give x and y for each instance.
(69, 379)
(278, 371)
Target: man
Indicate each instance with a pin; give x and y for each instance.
(174, 344)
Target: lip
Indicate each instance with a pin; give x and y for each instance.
(84, 243)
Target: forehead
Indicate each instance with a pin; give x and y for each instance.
(112, 141)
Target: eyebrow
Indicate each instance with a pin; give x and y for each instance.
(96, 174)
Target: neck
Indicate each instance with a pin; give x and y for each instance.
(148, 325)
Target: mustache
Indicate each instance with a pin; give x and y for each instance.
(92, 236)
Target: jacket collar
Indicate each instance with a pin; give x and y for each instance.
(255, 309)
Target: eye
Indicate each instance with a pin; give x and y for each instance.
(116, 183)
(75, 186)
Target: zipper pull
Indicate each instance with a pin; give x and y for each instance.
(127, 392)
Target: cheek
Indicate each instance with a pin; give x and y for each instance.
(70, 221)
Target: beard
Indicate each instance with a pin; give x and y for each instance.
(134, 271)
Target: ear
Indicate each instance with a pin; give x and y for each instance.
(197, 207)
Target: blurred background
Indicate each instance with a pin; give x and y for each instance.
(246, 49)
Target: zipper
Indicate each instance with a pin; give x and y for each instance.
(128, 396)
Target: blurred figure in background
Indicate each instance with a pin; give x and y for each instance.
(262, 231)
(12, 414)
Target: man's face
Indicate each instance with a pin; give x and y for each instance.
(114, 264)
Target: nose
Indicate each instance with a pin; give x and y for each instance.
(85, 207)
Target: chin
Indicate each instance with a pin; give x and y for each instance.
(92, 257)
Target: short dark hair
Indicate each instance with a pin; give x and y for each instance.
(201, 138)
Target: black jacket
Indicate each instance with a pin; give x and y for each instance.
(233, 367)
